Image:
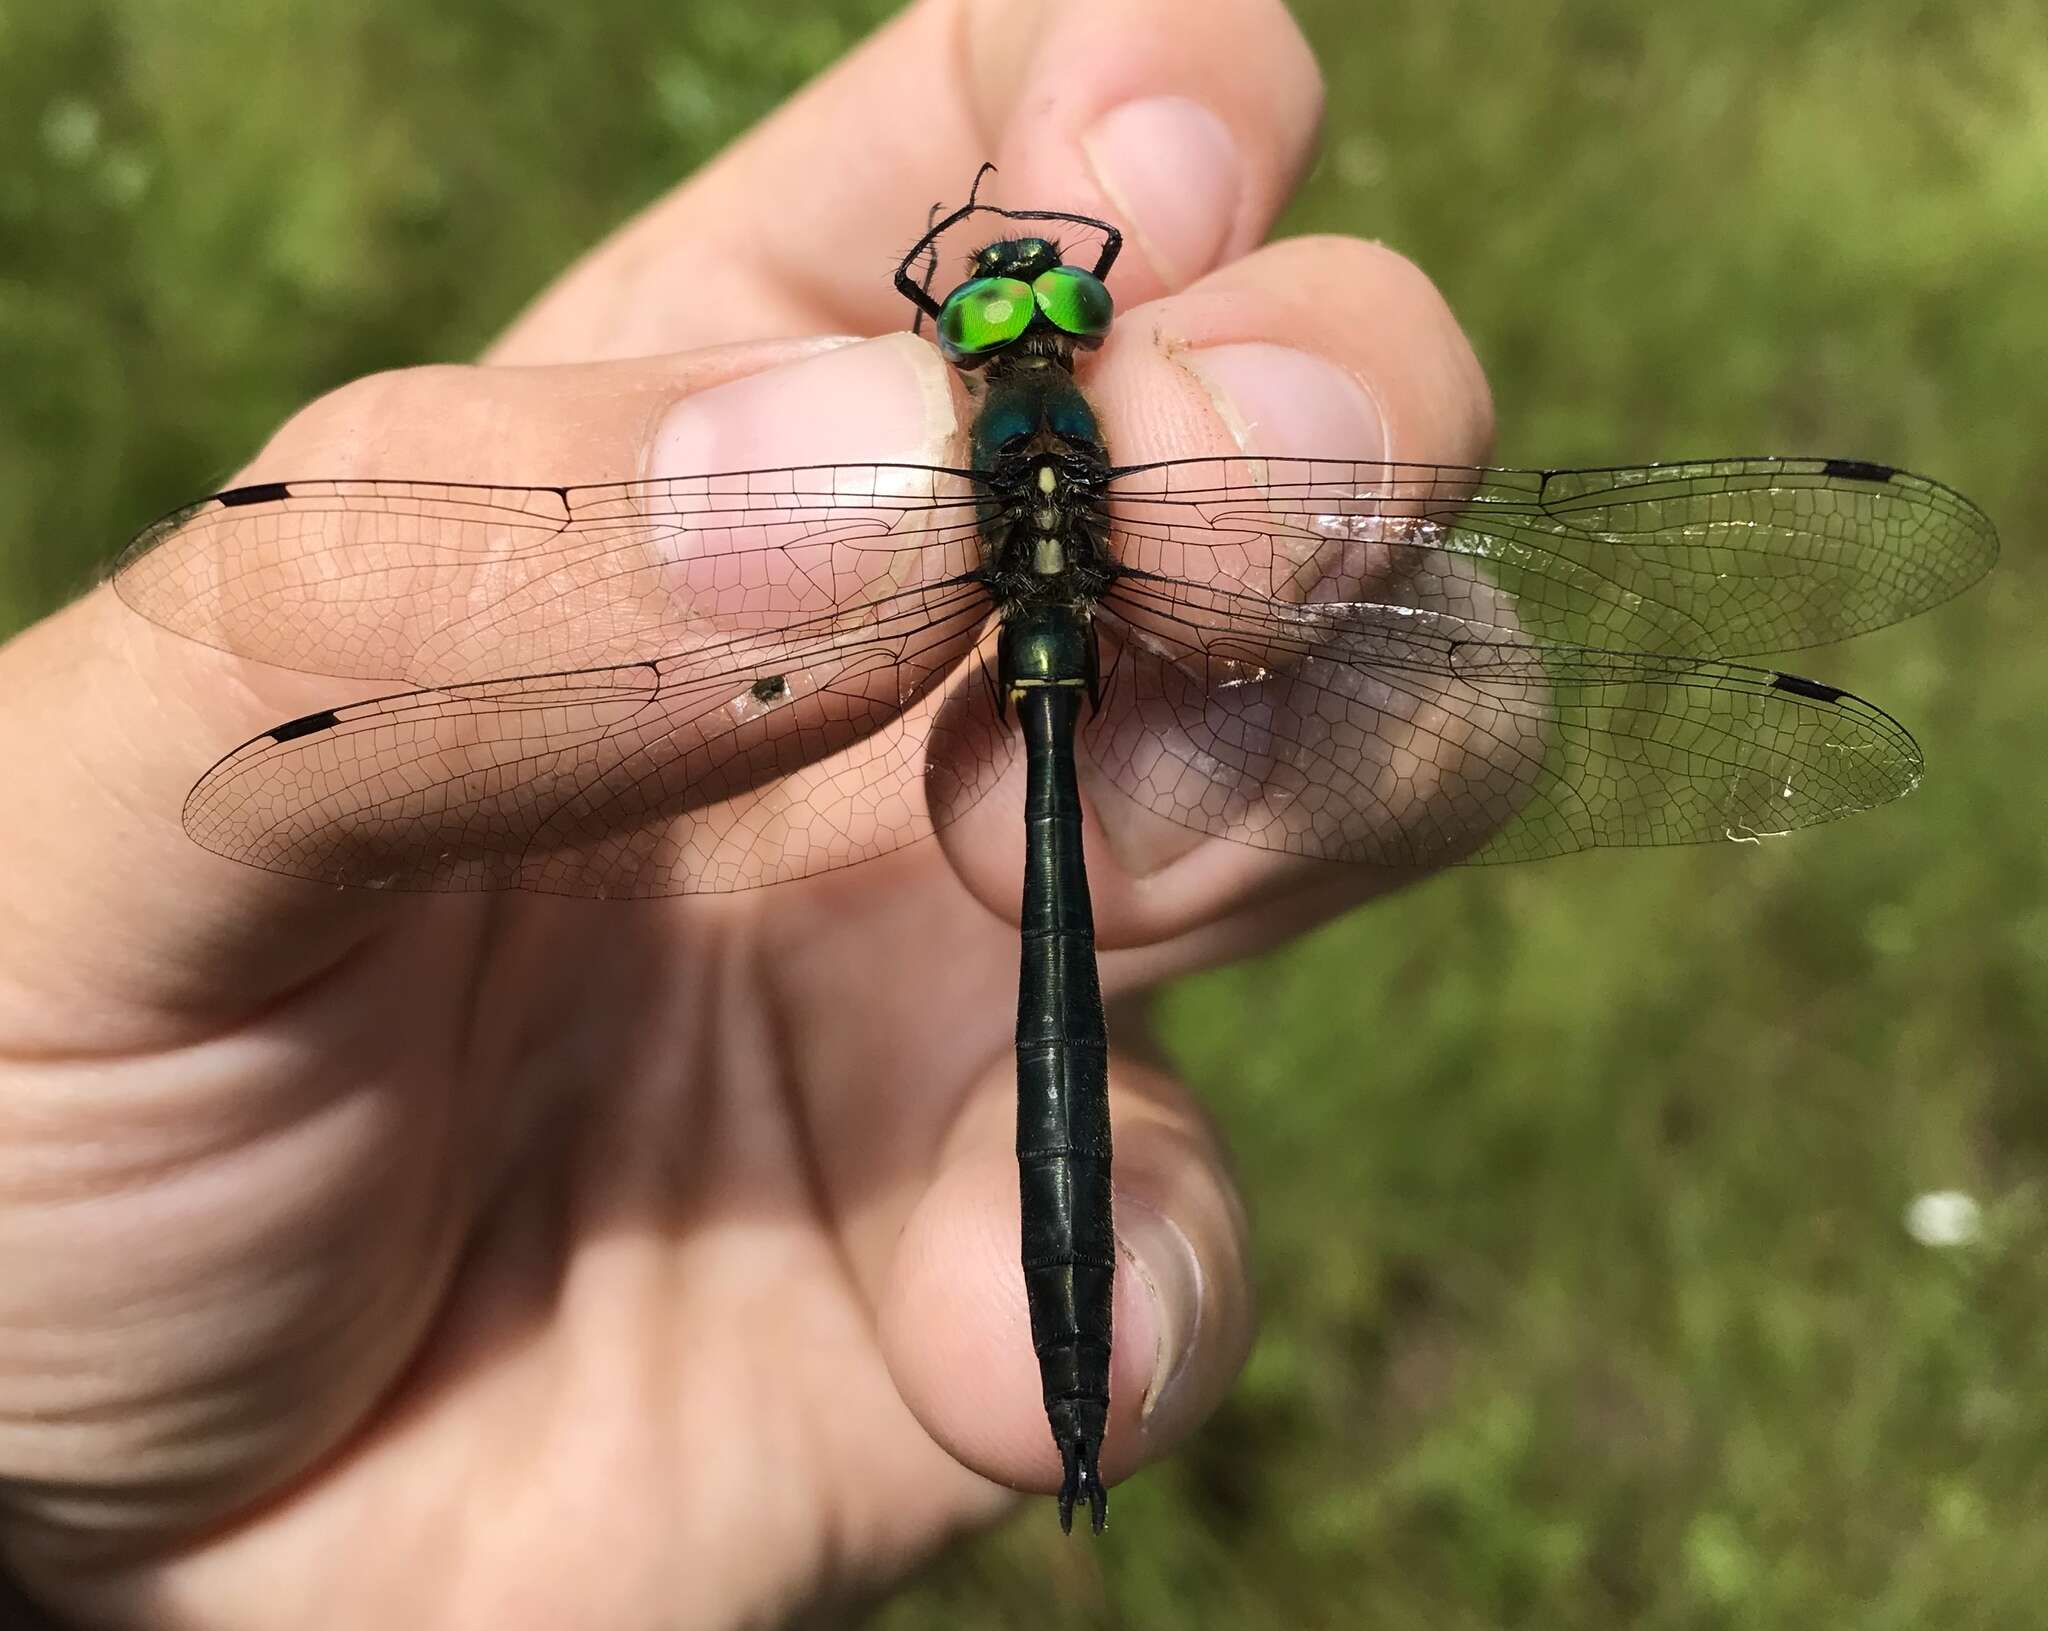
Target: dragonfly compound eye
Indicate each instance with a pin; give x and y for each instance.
(1074, 302)
(984, 315)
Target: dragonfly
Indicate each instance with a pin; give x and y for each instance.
(741, 679)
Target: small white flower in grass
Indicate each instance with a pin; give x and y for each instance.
(71, 130)
(124, 178)
(1944, 1217)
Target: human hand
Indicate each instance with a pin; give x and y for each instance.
(458, 1260)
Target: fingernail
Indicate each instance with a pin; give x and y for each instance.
(1166, 1265)
(1285, 403)
(887, 400)
(1171, 168)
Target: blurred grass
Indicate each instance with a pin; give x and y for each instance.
(1578, 1187)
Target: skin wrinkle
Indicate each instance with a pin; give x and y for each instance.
(273, 1010)
(1007, 32)
(287, 1466)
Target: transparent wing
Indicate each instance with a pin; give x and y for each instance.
(1722, 557)
(763, 758)
(696, 684)
(435, 583)
(1389, 736)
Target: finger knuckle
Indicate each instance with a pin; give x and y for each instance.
(351, 429)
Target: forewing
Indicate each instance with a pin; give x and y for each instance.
(1387, 736)
(1725, 557)
(781, 756)
(435, 583)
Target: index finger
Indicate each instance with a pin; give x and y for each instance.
(1186, 126)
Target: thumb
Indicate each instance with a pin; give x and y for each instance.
(951, 1303)
(124, 933)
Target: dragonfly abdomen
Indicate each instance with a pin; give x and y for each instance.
(1063, 1142)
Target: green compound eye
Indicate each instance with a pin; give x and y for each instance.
(984, 314)
(1074, 302)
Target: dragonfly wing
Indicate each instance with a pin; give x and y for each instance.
(435, 583)
(1390, 737)
(782, 757)
(1723, 557)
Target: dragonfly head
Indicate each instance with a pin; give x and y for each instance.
(1021, 286)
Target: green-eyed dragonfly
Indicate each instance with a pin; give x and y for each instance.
(738, 679)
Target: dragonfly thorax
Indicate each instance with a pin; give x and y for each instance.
(1045, 536)
(1044, 530)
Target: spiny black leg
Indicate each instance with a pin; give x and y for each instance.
(1112, 246)
(1094, 669)
(905, 284)
(931, 267)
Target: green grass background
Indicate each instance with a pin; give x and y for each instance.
(1578, 1188)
